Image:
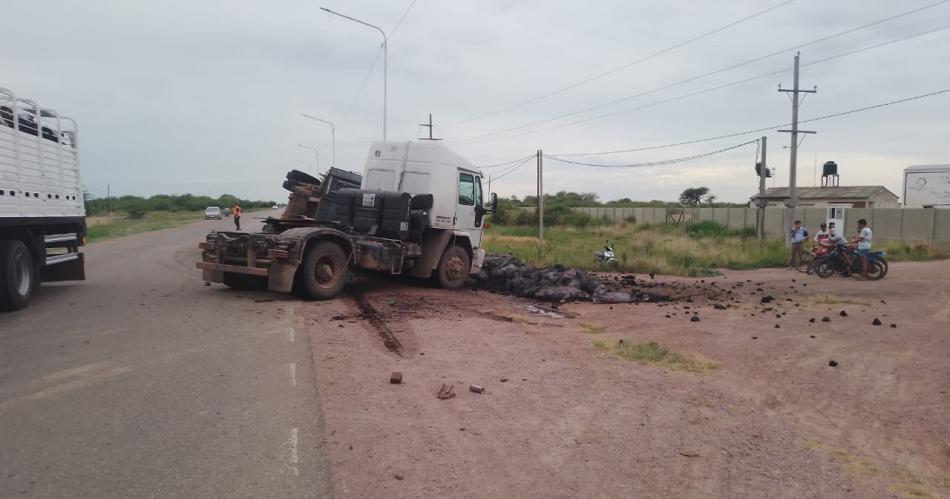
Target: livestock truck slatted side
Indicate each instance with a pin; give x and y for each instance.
(42, 214)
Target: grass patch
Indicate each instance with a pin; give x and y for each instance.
(651, 352)
(693, 250)
(155, 220)
(662, 249)
(593, 329)
(901, 251)
(837, 300)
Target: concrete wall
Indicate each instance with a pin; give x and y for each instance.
(914, 225)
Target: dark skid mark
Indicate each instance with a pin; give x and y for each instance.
(369, 313)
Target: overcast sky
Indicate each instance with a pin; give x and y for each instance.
(204, 96)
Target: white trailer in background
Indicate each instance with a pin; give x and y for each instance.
(927, 186)
(42, 215)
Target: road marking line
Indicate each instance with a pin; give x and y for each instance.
(290, 334)
(294, 459)
(293, 374)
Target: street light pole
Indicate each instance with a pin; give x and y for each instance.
(385, 57)
(315, 150)
(332, 137)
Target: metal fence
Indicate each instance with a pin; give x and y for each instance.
(914, 225)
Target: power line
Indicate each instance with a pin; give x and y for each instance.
(362, 86)
(653, 163)
(513, 169)
(758, 130)
(506, 163)
(373, 65)
(711, 73)
(719, 87)
(401, 19)
(624, 66)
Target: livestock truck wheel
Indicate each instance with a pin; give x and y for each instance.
(18, 276)
(453, 268)
(324, 270)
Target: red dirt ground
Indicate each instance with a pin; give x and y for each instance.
(570, 420)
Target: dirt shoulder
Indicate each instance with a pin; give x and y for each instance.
(756, 411)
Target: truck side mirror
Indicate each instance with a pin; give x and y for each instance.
(493, 203)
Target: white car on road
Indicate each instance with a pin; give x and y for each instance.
(212, 212)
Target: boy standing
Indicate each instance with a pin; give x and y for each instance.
(796, 236)
(864, 245)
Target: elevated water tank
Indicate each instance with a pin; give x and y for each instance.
(829, 168)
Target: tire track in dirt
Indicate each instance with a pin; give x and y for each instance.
(377, 319)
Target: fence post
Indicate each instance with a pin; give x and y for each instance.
(933, 227)
(900, 225)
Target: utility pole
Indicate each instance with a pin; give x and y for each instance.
(332, 137)
(385, 57)
(429, 126)
(793, 159)
(540, 198)
(761, 202)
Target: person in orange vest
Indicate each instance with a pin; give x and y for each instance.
(237, 216)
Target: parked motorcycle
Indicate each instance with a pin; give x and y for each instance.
(836, 262)
(606, 257)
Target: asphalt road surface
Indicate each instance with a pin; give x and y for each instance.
(143, 382)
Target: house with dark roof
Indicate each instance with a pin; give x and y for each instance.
(855, 196)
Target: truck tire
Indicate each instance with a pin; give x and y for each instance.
(453, 268)
(302, 177)
(18, 275)
(324, 270)
(243, 282)
(290, 184)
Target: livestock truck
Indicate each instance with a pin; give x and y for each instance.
(42, 215)
(417, 209)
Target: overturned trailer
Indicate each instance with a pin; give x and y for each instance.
(418, 210)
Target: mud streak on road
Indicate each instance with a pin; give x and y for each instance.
(369, 313)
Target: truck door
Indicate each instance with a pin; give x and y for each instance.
(467, 218)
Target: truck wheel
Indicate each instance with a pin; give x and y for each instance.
(302, 178)
(243, 282)
(324, 270)
(18, 276)
(453, 268)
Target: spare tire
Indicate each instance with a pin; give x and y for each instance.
(302, 177)
(290, 184)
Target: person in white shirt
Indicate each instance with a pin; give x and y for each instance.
(863, 242)
(796, 236)
(822, 234)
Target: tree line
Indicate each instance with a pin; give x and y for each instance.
(137, 206)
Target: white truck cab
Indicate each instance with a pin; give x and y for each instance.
(429, 167)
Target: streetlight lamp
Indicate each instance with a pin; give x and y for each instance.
(385, 56)
(332, 137)
(315, 150)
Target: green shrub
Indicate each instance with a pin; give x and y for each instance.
(711, 228)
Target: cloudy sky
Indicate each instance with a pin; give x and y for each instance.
(205, 96)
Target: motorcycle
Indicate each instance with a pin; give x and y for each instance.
(837, 262)
(809, 260)
(606, 257)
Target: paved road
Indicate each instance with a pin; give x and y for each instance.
(142, 382)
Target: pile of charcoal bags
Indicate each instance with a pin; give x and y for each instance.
(506, 274)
